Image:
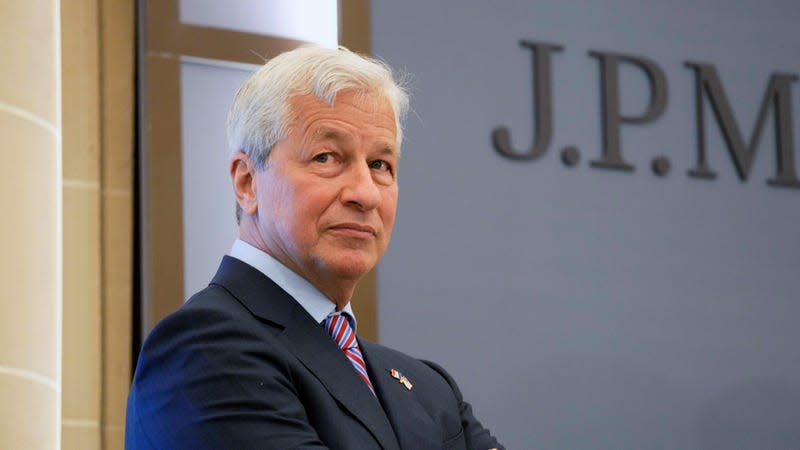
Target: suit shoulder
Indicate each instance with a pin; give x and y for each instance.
(212, 326)
(210, 305)
(207, 357)
(207, 306)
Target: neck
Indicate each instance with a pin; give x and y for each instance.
(340, 293)
(339, 290)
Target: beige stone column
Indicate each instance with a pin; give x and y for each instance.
(31, 224)
(98, 49)
(117, 34)
(82, 276)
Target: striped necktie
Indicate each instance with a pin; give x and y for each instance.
(340, 328)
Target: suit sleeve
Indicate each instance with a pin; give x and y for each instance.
(191, 391)
(477, 437)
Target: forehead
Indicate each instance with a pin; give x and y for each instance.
(357, 109)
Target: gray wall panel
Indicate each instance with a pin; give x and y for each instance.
(584, 308)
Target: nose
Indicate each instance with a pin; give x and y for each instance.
(360, 189)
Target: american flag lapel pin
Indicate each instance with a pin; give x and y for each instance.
(401, 378)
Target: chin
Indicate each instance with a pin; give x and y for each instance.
(351, 267)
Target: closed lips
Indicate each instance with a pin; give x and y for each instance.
(354, 227)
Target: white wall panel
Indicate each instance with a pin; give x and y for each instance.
(209, 225)
(312, 21)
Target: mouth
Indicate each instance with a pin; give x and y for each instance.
(354, 230)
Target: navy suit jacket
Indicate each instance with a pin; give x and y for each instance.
(243, 366)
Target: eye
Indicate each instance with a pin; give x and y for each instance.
(380, 165)
(322, 157)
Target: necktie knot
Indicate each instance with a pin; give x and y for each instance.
(341, 330)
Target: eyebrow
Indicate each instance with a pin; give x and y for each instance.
(326, 133)
(390, 150)
(329, 134)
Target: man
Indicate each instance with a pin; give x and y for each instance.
(266, 356)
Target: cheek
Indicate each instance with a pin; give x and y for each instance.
(305, 210)
(389, 210)
(281, 209)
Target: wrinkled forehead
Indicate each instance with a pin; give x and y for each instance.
(365, 109)
(368, 100)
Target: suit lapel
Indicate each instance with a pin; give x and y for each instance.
(320, 354)
(309, 342)
(412, 424)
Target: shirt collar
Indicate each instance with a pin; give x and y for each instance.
(305, 293)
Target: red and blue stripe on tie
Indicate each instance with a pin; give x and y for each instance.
(339, 327)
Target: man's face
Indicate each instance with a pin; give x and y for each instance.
(328, 195)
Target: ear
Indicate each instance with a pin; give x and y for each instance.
(244, 182)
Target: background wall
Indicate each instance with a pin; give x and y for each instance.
(582, 308)
(208, 88)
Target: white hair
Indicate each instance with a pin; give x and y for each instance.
(261, 113)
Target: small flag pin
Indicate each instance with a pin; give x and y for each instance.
(401, 378)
